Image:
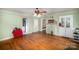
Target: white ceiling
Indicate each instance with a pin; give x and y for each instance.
(31, 10)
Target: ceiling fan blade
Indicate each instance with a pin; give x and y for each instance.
(37, 11)
(43, 12)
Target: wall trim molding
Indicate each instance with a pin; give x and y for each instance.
(7, 38)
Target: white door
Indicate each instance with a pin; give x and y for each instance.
(66, 26)
(36, 25)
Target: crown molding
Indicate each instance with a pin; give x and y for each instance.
(74, 10)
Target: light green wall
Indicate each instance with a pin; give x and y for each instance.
(9, 20)
(30, 24)
(56, 17)
(0, 27)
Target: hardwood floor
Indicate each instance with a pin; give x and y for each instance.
(36, 41)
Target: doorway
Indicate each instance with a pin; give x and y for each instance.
(44, 25)
(25, 27)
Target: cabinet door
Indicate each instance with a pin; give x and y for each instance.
(61, 26)
(66, 26)
(69, 26)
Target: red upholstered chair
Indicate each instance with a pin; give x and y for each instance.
(17, 32)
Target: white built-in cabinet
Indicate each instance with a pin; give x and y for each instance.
(65, 26)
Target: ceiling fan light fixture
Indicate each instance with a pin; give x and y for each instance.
(39, 15)
(35, 14)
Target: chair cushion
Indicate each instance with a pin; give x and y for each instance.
(17, 33)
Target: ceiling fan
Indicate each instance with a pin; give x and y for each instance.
(38, 11)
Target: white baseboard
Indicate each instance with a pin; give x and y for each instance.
(7, 38)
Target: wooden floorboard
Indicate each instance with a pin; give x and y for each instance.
(36, 41)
